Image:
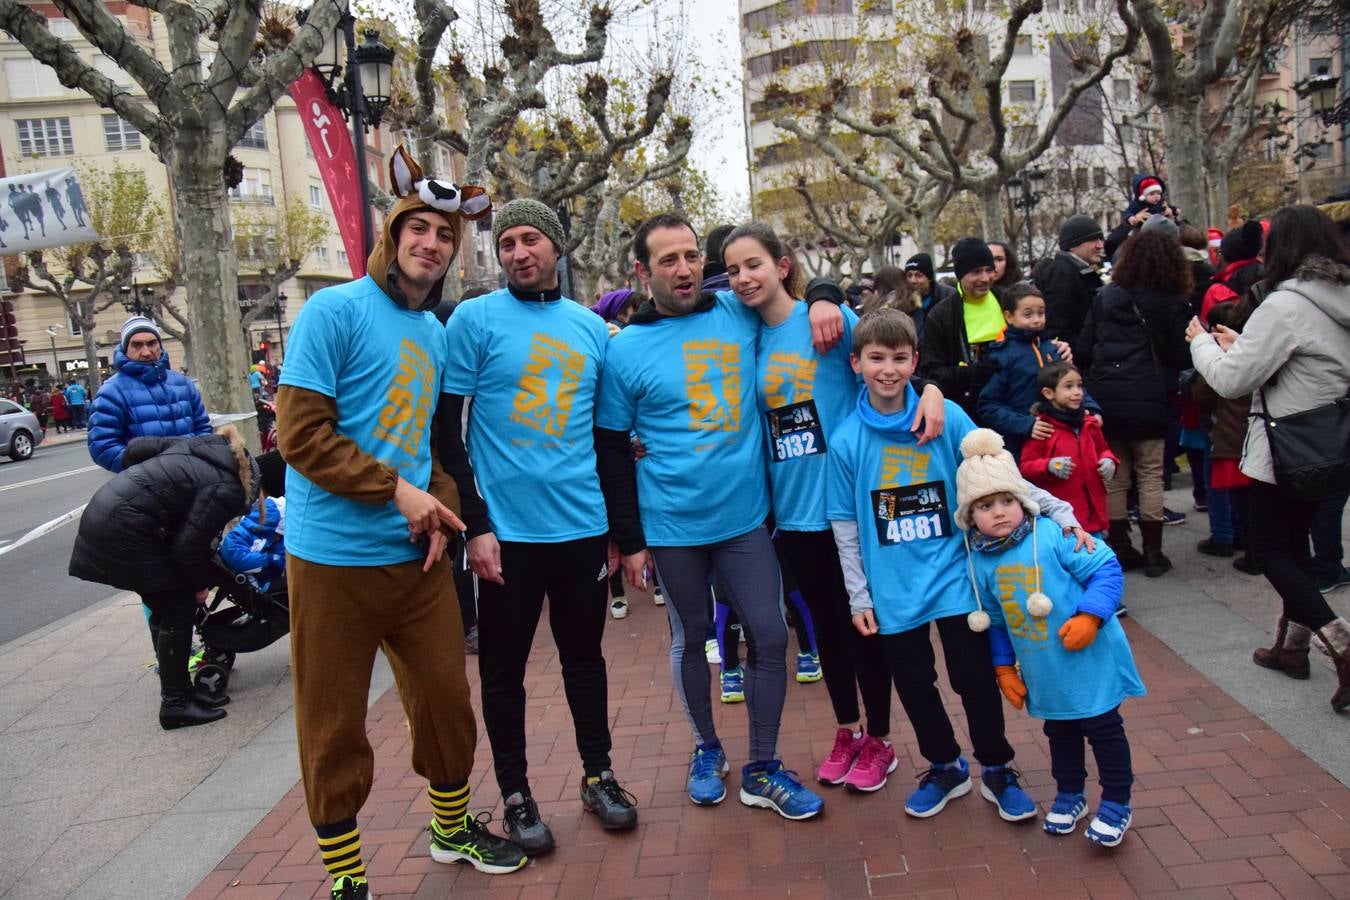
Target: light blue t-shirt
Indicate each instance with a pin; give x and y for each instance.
(803, 397)
(532, 369)
(1061, 684)
(686, 385)
(903, 499)
(383, 364)
(75, 395)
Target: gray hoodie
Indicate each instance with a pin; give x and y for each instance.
(1300, 335)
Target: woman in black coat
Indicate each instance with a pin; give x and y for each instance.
(151, 529)
(1132, 345)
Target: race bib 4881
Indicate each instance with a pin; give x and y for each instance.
(915, 512)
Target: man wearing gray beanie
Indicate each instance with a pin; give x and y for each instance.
(1069, 279)
(530, 359)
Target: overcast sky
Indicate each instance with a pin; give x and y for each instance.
(719, 148)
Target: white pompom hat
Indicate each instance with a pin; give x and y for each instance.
(988, 469)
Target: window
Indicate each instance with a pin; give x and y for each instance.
(1022, 46)
(1021, 92)
(255, 187)
(1319, 65)
(762, 19)
(118, 134)
(1098, 177)
(256, 136)
(108, 68)
(1320, 25)
(8, 408)
(1121, 91)
(800, 54)
(29, 78)
(315, 196)
(45, 137)
(342, 257)
(1318, 151)
(72, 327)
(322, 254)
(63, 28)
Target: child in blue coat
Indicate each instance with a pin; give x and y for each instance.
(1051, 612)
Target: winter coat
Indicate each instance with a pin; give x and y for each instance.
(41, 403)
(150, 529)
(1296, 346)
(1006, 401)
(946, 356)
(59, 411)
(1131, 347)
(1228, 419)
(1068, 290)
(142, 400)
(1230, 283)
(257, 545)
(1084, 489)
(940, 293)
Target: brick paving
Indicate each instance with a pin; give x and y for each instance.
(1223, 807)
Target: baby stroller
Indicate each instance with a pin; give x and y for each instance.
(242, 617)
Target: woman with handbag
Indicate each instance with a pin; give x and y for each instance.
(1294, 354)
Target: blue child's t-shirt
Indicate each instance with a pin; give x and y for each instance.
(686, 385)
(532, 369)
(803, 397)
(903, 499)
(383, 365)
(1061, 684)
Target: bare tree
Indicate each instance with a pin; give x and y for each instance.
(192, 115)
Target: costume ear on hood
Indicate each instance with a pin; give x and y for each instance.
(416, 191)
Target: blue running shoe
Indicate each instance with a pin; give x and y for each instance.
(733, 685)
(707, 768)
(1109, 825)
(998, 785)
(937, 785)
(808, 668)
(774, 787)
(1065, 813)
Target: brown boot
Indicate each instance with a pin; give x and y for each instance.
(1155, 563)
(1118, 539)
(1334, 639)
(1290, 651)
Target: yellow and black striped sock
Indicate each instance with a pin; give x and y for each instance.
(449, 803)
(340, 846)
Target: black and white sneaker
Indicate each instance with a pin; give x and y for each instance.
(472, 843)
(524, 827)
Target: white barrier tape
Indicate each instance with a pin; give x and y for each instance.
(44, 529)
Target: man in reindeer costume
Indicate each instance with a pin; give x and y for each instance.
(369, 517)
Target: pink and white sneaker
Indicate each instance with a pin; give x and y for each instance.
(836, 766)
(874, 763)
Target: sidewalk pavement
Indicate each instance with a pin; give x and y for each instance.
(1240, 779)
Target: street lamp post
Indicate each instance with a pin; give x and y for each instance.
(280, 307)
(1320, 91)
(56, 365)
(369, 68)
(1028, 180)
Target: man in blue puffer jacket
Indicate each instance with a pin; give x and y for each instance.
(146, 398)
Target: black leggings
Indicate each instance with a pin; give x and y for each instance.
(507, 618)
(1110, 747)
(1277, 532)
(914, 667)
(850, 662)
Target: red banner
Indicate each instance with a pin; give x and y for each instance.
(332, 146)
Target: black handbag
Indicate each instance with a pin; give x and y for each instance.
(1310, 449)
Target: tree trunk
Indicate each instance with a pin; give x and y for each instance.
(201, 206)
(991, 213)
(924, 233)
(1216, 185)
(91, 356)
(1185, 160)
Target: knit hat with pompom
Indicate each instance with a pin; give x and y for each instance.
(988, 468)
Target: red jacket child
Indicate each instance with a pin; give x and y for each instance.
(1079, 438)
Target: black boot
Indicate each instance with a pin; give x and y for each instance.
(1155, 563)
(1118, 539)
(177, 706)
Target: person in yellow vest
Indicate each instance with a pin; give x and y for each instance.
(959, 330)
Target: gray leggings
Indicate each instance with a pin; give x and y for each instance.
(750, 569)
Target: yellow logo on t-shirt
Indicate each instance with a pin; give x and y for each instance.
(784, 370)
(902, 465)
(533, 406)
(707, 363)
(407, 405)
(1016, 580)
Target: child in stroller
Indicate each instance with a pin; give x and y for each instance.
(252, 556)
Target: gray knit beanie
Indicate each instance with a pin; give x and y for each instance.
(136, 325)
(532, 213)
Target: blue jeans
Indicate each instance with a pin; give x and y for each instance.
(1220, 508)
(1326, 538)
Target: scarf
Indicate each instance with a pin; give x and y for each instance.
(986, 544)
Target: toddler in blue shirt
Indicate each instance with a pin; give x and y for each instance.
(1051, 612)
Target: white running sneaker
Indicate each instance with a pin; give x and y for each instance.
(619, 608)
(711, 650)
